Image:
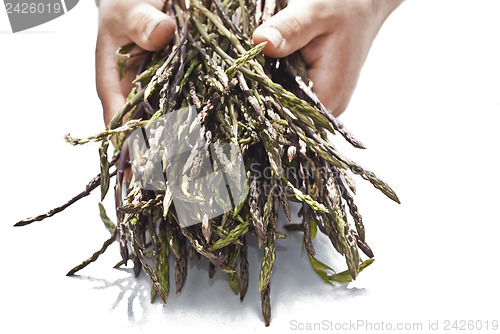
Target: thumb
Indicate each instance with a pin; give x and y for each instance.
(149, 27)
(290, 29)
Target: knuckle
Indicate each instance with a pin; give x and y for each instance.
(136, 24)
(294, 28)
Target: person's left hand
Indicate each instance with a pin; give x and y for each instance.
(333, 36)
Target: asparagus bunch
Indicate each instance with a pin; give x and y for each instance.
(254, 112)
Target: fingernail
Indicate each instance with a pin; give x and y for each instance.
(273, 35)
(149, 29)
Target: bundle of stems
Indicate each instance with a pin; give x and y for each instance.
(258, 111)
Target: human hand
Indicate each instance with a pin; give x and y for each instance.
(122, 22)
(334, 37)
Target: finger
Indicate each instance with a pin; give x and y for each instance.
(292, 28)
(334, 77)
(334, 93)
(149, 27)
(107, 76)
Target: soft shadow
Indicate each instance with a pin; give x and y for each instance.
(293, 279)
(138, 289)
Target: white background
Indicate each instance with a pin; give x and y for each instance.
(428, 108)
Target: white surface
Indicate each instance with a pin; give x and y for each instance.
(427, 106)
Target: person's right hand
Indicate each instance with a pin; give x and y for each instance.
(122, 22)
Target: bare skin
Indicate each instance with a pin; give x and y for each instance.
(122, 22)
(333, 36)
